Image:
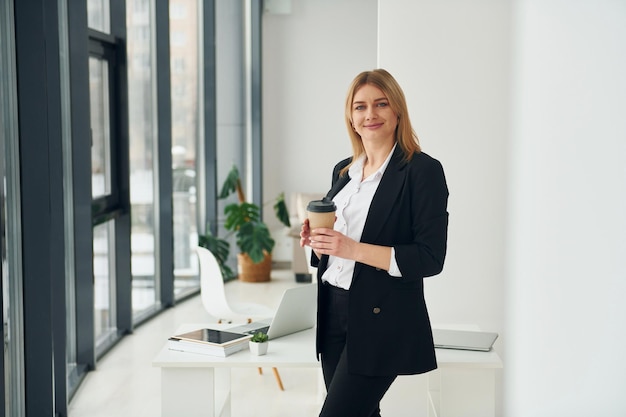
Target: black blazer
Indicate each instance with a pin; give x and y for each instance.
(389, 330)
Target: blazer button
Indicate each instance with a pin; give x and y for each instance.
(376, 310)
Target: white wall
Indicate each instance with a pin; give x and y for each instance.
(566, 315)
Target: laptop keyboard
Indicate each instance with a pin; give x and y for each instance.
(260, 329)
(251, 328)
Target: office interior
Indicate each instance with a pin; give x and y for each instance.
(121, 118)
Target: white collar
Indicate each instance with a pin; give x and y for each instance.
(356, 169)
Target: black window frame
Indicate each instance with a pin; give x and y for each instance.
(110, 206)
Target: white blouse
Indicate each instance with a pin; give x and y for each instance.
(353, 203)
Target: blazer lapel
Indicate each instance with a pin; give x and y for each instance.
(390, 186)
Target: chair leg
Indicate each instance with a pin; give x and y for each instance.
(276, 375)
(280, 382)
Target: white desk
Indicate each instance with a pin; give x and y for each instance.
(199, 385)
(463, 385)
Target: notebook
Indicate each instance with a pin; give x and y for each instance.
(296, 312)
(464, 339)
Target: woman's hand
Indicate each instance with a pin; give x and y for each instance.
(331, 242)
(325, 241)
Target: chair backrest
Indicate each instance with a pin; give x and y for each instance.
(212, 285)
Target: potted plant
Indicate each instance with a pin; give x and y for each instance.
(253, 237)
(259, 344)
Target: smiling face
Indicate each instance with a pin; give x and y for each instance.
(372, 117)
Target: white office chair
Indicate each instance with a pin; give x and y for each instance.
(214, 298)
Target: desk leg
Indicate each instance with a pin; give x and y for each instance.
(195, 392)
(433, 406)
(462, 392)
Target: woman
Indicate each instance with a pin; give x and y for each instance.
(390, 232)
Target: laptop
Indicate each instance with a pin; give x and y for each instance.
(464, 339)
(296, 312)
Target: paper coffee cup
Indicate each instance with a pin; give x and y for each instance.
(321, 213)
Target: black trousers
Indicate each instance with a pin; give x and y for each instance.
(348, 395)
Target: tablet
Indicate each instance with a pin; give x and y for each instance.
(213, 337)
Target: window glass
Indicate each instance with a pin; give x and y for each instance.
(106, 167)
(99, 15)
(72, 379)
(12, 359)
(143, 140)
(100, 127)
(178, 10)
(185, 85)
(104, 283)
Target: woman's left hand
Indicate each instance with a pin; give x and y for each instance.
(330, 242)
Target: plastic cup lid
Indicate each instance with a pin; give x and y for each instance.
(321, 206)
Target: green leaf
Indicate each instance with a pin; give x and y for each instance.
(280, 208)
(259, 337)
(239, 214)
(230, 184)
(219, 247)
(227, 272)
(254, 239)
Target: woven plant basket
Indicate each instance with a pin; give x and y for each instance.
(251, 272)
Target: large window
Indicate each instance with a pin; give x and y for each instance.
(110, 161)
(185, 34)
(109, 183)
(102, 180)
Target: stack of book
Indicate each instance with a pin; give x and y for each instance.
(209, 342)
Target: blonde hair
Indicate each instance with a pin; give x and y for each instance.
(405, 135)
